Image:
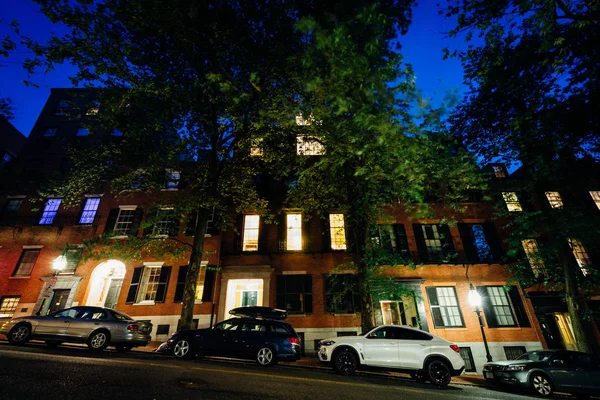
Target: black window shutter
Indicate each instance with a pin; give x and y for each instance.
(190, 227)
(137, 220)
(432, 295)
(468, 241)
(111, 220)
(239, 232)
(209, 282)
(488, 311)
(281, 292)
(386, 239)
(180, 283)
(421, 247)
(401, 240)
(282, 230)
(135, 284)
(493, 239)
(447, 243)
(150, 220)
(307, 287)
(327, 289)
(326, 233)
(263, 236)
(518, 307)
(306, 232)
(163, 282)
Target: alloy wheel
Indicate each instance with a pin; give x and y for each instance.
(20, 334)
(98, 340)
(265, 356)
(542, 385)
(439, 374)
(181, 349)
(346, 363)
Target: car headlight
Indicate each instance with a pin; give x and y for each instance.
(326, 343)
(518, 367)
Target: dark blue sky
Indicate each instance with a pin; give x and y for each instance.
(422, 47)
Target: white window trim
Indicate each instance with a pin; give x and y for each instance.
(32, 246)
(202, 264)
(150, 264)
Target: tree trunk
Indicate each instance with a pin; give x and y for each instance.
(582, 339)
(191, 280)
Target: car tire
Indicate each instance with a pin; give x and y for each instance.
(98, 340)
(182, 349)
(265, 356)
(19, 334)
(438, 372)
(418, 376)
(53, 343)
(123, 348)
(541, 385)
(345, 362)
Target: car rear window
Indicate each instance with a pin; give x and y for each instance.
(121, 316)
(279, 328)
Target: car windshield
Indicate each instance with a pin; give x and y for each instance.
(121, 316)
(536, 356)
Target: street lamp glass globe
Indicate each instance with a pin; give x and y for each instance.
(474, 298)
(59, 263)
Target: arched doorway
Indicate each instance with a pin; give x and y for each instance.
(105, 284)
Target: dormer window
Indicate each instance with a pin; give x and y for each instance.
(256, 149)
(172, 179)
(512, 201)
(82, 132)
(50, 132)
(309, 146)
(116, 132)
(499, 171)
(63, 107)
(94, 108)
(554, 199)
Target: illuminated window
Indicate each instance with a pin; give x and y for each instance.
(82, 132)
(596, 197)
(535, 259)
(149, 284)
(338, 232)
(256, 148)
(309, 146)
(50, 210)
(294, 232)
(250, 233)
(200, 281)
(554, 199)
(8, 306)
(581, 255)
(172, 178)
(94, 108)
(499, 171)
(512, 201)
(89, 210)
(50, 132)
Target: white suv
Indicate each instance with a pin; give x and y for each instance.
(423, 355)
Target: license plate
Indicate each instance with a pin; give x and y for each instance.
(489, 375)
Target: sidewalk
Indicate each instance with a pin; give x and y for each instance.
(312, 362)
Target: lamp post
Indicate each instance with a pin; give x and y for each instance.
(475, 300)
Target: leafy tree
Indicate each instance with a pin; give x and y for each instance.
(533, 75)
(6, 45)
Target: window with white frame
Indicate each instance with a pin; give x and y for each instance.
(90, 207)
(164, 222)
(532, 251)
(26, 262)
(444, 306)
(50, 132)
(294, 232)
(8, 306)
(433, 241)
(500, 306)
(200, 281)
(124, 220)
(554, 199)
(50, 210)
(309, 146)
(512, 201)
(337, 231)
(596, 197)
(82, 132)
(499, 171)
(149, 284)
(250, 239)
(172, 178)
(581, 255)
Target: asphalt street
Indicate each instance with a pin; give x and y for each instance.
(35, 371)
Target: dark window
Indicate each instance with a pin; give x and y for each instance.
(514, 352)
(392, 332)
(434, 243)
(467, 356)
(229, 325)
(163, 329)
(445, 309)
(279, 329)
(254, 326)
(340, 294)
(26, 262)
(392, 238)
(481, 242)
(12, 206)
(50, 132)
(294, 293)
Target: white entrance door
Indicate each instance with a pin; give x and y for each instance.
(243, 293)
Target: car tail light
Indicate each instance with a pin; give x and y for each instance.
(455, 348)
(133, 327)
(293, 340)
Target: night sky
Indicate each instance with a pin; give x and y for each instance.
(422, 47)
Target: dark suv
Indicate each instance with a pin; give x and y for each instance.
(253, 336)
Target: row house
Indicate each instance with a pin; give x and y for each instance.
(293, 264)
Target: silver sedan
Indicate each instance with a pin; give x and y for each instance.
(98, 327)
